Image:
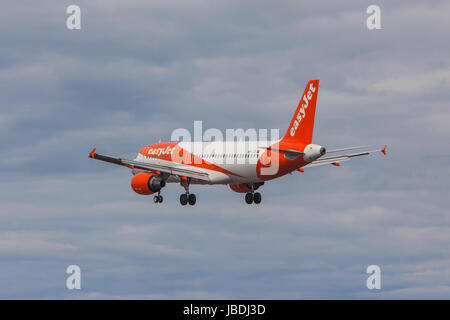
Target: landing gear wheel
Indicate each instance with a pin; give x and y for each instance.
(257, 197)
(249, 198)
(192, 199)
(184, 199)
(158, 199)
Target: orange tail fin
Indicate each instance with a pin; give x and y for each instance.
(302, 124)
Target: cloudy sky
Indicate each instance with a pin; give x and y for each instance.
(139, 69)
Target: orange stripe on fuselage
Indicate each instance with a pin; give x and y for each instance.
(171, 151)
(273, 164)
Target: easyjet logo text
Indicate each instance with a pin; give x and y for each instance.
(302, 111)
(159, 151)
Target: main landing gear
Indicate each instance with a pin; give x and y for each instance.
(253, 197)
(187, 197)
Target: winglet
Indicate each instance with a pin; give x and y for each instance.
(384, 149)
(92, 153)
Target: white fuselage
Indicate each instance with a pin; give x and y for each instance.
(225, 162)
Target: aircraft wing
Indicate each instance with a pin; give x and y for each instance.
(151, 167)
(336, 160)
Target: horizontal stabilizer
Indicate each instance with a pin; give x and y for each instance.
(345, 157)
(346, 149)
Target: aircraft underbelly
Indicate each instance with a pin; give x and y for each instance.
(231, 173)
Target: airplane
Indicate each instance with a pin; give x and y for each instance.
(243, 165)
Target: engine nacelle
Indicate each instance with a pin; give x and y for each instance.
(147, 183)
(240, 188)
(245, 187)
(313, 152)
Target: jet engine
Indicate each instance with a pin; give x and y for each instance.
(240, 188)
(245, 187)
(147, 183)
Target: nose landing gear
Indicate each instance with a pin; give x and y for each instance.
(158, 198)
